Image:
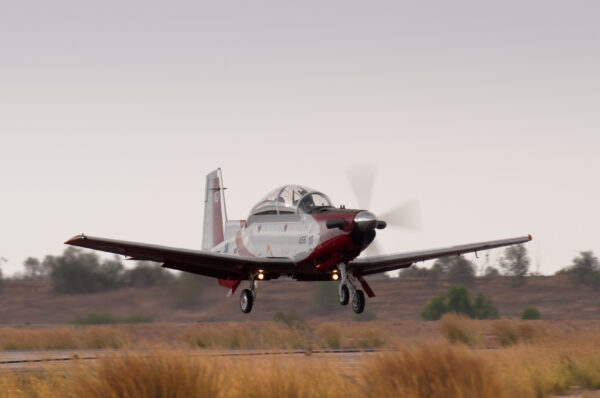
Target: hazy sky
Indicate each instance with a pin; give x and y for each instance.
(112, 113)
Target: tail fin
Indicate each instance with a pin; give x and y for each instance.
(215, 214)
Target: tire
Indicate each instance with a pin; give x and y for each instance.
(358, 302)
(246, 301)
(344, 295)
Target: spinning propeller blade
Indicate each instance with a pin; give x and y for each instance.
(361, 179)
(407, 215)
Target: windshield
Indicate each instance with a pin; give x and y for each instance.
(313, 201)
(291, 199)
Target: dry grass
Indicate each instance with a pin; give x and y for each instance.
(176, 374)
(432, 369)
(513, 331)
(537, 361)
(62, 338)
(458, 329)
(234, 336)
(424, 370)
(242, 335)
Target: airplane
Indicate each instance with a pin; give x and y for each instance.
(295, 232)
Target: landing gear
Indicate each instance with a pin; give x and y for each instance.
(343, 294)
(347, 292)
(358, 302)
(248, 295)
(246, 301)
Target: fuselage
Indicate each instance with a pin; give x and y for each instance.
(304, 238)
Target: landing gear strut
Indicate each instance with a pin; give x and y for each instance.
(347, 291)
(248, 295)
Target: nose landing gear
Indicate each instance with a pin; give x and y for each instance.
(347, 291)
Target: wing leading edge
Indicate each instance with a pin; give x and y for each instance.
(218, 265)
(376, 264)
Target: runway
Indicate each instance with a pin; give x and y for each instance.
(25, 361)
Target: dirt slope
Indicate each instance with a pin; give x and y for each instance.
(36, 302)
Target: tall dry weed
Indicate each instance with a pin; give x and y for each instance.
(459, 329)
(429, 370)
(514, 331)
(302, 377)
(330, 335)
(242, 336)
(155, 375)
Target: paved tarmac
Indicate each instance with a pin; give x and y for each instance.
(25, 361)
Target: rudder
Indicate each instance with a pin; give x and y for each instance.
(215, 214)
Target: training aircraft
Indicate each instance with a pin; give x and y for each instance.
(295, 232)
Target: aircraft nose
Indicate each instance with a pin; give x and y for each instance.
(365, 220)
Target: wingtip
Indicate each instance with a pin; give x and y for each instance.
(75, 239)
(530, 237)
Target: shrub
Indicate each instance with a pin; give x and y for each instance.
(515, 263)
(461, 271)
(483, 308)
(491, 272)
(435, 308)
(76, 271)
(146, 274)
(585, 269)
(458, 300)
(531, 313)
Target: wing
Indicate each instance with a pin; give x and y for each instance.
(376, 264)
(217, 265)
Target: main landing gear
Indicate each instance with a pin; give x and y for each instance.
(248, 295)
(348, 293)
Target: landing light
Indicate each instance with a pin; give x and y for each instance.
(261, 276)
(335, 277)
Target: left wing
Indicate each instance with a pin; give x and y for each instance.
(376, 264)
(202, 262)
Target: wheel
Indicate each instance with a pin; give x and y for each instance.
(343, 295)
(246, 300)
(358, 302)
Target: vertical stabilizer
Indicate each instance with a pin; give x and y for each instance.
(215, 215)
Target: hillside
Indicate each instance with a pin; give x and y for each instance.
(397, 299)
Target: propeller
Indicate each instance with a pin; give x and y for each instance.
(406, 215)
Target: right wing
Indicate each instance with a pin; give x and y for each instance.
(202, 262)
(377, 264)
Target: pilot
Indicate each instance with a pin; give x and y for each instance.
(307, 204)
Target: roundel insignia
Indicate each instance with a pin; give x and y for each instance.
(217, 197)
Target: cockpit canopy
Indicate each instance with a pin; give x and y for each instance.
(291, 199)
